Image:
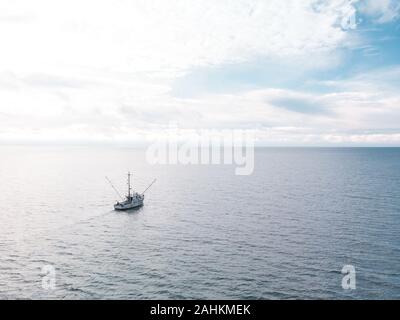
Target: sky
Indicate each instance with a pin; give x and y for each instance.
(311, 72)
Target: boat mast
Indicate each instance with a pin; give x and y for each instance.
(129, 184)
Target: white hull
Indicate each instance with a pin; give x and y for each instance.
(121, 207)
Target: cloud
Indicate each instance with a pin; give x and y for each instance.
(306, 105)
(118, 113)
(114, 71)
(166, 37)
(48, 80)
(381, 11)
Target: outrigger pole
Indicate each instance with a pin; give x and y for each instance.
(149, 186)
(115, 189)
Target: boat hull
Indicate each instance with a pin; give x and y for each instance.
(124, 207)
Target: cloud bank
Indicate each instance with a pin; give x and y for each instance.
(112, 71)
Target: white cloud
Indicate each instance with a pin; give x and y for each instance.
(103, 70)
(162, 36)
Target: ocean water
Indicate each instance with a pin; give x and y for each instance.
(284, 232)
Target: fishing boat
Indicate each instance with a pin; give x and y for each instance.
(132, 200)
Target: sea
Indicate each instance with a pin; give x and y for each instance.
(290, 230)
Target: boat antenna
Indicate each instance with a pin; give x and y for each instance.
(149, 186)
(115, 189)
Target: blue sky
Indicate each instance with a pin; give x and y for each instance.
(310, 72)
(378, 48)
